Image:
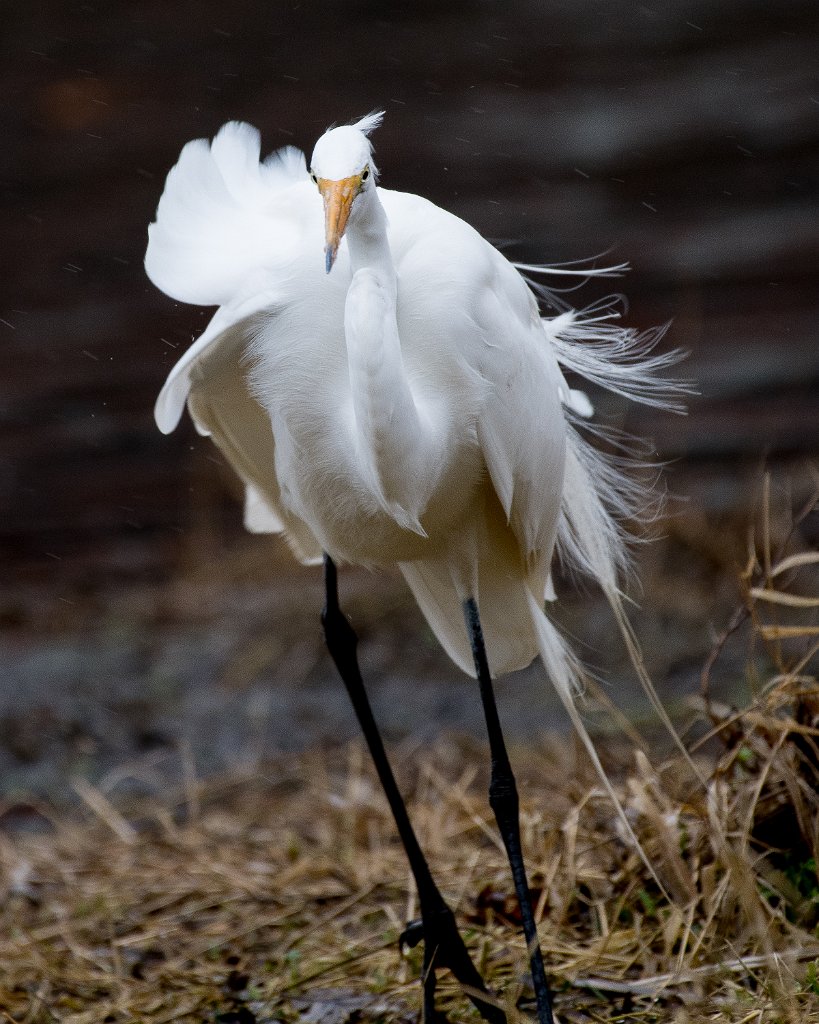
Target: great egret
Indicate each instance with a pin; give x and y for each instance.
(399, 402)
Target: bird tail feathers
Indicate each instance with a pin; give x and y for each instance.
(619, 359)
(566, 675)
(599, 495)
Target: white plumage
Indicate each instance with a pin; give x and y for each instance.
(408, 408)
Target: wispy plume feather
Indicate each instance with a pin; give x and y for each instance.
(599, 494)
(369, 122)
(619, 359)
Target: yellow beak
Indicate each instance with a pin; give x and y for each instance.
(338, 198)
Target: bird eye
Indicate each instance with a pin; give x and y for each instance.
(313, 176)
(365, 174)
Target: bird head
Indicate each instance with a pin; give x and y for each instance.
(342, 167)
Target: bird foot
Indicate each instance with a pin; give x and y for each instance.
(444, 947)
(439, 933)
(412, 935)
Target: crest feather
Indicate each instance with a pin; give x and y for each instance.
(369, 122)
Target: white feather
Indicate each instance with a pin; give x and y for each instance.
(619, 359)
(566, 674)
(367, 124)
(218, 224)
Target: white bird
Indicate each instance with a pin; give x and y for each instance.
(408, 408)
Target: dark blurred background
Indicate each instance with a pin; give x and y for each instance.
(139, 625)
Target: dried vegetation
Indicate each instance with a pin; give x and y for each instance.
(281, 895)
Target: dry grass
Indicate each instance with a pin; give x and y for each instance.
(281, 895)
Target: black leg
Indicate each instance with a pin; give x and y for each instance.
(503, 799)
(443, 945)
(429, 1015)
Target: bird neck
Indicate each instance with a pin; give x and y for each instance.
(396, 462)
(367, 238)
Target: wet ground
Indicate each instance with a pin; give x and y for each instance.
(223, 663)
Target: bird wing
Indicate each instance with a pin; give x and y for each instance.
(522, 431)
(220, 216)
(481, 341)
(212, 377)
(226, 230)
(491, 320)
(224, 325)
